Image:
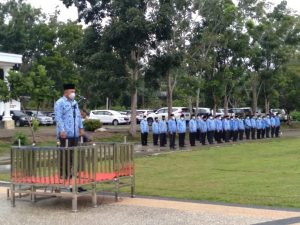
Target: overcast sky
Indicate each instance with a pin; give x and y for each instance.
(48, 6)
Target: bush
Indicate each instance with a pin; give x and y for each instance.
(295, 115)
(35, 125)
(91, 125)
(20, 136)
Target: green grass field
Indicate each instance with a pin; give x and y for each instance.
(263, 173)
(258, 173)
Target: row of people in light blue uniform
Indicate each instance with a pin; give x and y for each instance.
(210, 128)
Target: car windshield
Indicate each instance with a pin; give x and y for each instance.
(18, 113)
(40, 114)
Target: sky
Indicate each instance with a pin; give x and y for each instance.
(48, 6)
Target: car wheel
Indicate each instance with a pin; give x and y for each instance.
(115, 122)
(150, 121)
(18, 123)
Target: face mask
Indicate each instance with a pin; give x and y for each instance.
(72, 96)
(194, 117)
(248, 117)
(173, 118)
(182, 118)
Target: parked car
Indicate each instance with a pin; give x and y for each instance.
(283, 116)
(177, 111)
(127, 114)
(20, 118)
(202, 111)
(40, 116)
(140, 113)
(50, 114)
(245, 111)
(109, 117)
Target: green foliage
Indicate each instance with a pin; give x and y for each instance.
(4, 92)
(35, 124)
(295, 115)
(91, 125)
(19, 136)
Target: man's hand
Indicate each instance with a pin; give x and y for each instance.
(63, 135)
(81, 132)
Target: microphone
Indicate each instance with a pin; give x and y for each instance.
(82, 97)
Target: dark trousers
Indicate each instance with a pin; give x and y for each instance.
(263, 132)
(210, 137)
(241, 134)
(253, 131)
(155, 139)
(181, 137)
(172, 137)
(227, 135)
(144, 139)
(247, 131)
(268, 132)
(258, 133)
(192, 136)
(203, 138)
(198, 135)
(277, 130)
(272, 131)
(66, 157)
(235, 135)
(218, 136)
(162, 139)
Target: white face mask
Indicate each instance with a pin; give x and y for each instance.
(72, 96)
(173, 117)
(194, 117)
(182, 118)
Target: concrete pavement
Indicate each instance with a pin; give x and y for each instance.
(137, 211)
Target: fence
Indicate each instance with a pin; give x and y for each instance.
(57, 168)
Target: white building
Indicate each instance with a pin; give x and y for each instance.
(7, 61)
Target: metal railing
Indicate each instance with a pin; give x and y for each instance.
(71, 167)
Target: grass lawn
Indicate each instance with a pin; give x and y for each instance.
(258, 173)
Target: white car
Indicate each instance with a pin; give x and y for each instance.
(202, 111)
(177, 111)
(40, 116)
(140, 113)
(109, 117)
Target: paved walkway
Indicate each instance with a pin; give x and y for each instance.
(137, 211)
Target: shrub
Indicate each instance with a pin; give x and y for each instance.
(295, 115)
(35, 125)
(91, 125)
(20, 136)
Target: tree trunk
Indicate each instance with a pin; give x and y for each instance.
(169, 95)
(225, 105)
(190, 104)
(134, 78)
(254, 85)
(214, 108)
(267, 104)
(197, 100)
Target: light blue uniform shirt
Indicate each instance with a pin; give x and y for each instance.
(144, 126)
(259, 124)
(277, 121)
(193, 126)
(203, 127)
(248, 123)
(211, 126)
(267, 122)
(64, 109)
(219, 125)
(234, 124)
(253, 123)
(181, 126)
(172, 126)
(155, 127)
(163, 128)
(226, 125)
(198, 123)
(273, 122)
(241, 124)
